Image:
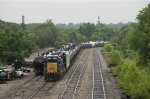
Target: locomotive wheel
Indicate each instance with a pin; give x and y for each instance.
(46, 78)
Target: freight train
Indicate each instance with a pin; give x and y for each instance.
(55, 63)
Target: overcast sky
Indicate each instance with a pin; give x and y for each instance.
(75, 11)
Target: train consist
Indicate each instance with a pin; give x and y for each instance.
(54, 63)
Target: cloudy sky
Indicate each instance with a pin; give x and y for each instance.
(76, 11)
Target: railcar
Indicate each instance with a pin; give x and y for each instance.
(38, 64)
(99, 44)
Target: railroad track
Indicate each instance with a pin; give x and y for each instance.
(13, 91)
(21, 90)
(42, 91)
(98, 88)
(71, 88)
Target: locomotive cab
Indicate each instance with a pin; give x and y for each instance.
(53, 68)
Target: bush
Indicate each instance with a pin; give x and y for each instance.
(135, 81)
(115, 58)
(108, 47)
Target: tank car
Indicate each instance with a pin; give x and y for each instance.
(38, 64)
(99, 44)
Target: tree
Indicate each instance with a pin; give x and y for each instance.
(140, 40)
(97, 36)
(15, 45)
(46, 34)
(87, 29)
(106, 31)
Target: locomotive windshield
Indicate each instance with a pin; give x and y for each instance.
(54, 59)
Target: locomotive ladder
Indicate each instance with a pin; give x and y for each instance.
(98, 89)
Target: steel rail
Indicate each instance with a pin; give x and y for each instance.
(79, 68)
(78, 83)
(99, 59)
(21, 86)
(69, 82)
(98, 80)
(37, 90)
(47, 90)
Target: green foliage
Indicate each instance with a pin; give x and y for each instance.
(107, 33)
(130, 54)
(133, 41)
(108, 47)
(115, 58)
(140, 39)
(87, 29)
(46, 34)
(59, 42)
(135, 81)
(97, 36)
(76, 37)
(15, 44)
(122, 40)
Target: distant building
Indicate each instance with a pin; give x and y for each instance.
(23, 22)
(98, 20)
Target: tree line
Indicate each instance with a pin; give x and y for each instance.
(17, 41)
(128, 54)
